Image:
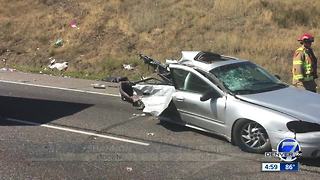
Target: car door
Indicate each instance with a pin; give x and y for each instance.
(190, 85)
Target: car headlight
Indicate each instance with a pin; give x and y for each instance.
(302, 126)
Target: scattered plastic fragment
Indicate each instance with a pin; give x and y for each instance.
(73, 23)
(127, 67)
(150, 134)
(58, 43)
(115, 79)
(98, 86)
(143, 114)
(129, 169)
(60, 66)
(8, 69)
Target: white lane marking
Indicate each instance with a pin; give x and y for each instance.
(60, 88)
(78, 131)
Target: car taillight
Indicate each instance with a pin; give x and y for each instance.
(302, 126)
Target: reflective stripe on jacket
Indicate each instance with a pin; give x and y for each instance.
(304, 65)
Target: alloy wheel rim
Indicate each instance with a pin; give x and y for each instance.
(254, 135)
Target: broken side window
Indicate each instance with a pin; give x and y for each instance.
(187, 81)
(179, 77)
(195, 84)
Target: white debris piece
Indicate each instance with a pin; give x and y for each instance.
(7, 69)
(129, 169)
(60, 66)
(127, 67)
(143, 114)
(158, 98)
(150, 134)
(98, 86)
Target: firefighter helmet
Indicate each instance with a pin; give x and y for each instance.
(306, 38)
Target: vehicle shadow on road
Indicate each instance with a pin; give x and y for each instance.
(310, 162)
(179, 128)
(35, 110)
(171, 114)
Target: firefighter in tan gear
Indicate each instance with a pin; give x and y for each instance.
(305, 65)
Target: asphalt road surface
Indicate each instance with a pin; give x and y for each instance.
(63, 128)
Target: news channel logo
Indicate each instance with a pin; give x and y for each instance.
(288, 150)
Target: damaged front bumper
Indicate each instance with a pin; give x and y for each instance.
(309, 142)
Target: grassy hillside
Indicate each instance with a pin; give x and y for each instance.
(112, 32)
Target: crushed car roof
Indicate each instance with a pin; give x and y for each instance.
(206, 60)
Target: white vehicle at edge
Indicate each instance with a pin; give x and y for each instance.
(242, 102)
(234, 98)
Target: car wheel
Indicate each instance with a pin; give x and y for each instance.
(250, 136)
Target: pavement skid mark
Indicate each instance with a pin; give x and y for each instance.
(79, 131)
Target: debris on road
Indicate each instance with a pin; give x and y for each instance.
(24, 81)
(127, 94)
(143, 114)
(115, 79)
(98, 86)
(150, 134)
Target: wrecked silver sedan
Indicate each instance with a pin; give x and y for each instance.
(236, 99)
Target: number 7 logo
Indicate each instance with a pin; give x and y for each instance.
(293, 144)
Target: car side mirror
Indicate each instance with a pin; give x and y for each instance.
(277, 76)
(209, 94)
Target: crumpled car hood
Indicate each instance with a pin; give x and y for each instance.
(303, 105)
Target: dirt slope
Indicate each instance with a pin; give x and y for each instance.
(112, 32)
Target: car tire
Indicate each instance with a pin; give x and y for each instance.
(250, 136)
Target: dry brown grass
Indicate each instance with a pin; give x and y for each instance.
(113, 32)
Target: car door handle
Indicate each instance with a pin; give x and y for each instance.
(181, 99)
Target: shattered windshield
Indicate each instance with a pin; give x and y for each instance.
(246, 78)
